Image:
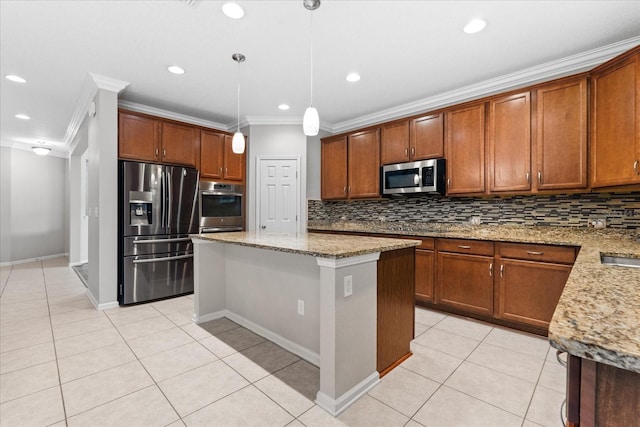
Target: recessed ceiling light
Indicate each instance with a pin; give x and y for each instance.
(233, 10)
(475, 26)
(22, 116)
(15, 78)
(353, 77)
(175, 69)
(283, 107)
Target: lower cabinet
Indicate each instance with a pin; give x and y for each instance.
(425, 267)
(465, 282)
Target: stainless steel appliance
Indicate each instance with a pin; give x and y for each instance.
(158, 210)
(221, 207)
(424, 176)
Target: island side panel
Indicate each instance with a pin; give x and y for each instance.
(209, 296)
(347, 331)
(263, 287)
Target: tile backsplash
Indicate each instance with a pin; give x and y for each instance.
(621, 210)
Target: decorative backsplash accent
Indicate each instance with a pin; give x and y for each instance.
(621, 210)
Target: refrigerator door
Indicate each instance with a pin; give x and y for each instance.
(143, 193)
(182, 209)
(149, 277)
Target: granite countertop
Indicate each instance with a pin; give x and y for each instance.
(318, 245)
(598, 315)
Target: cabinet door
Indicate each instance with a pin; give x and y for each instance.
(234, 164)
(464, 150)
(333, 168)
(179, 144)
(211, 154)
(364, 164)
(138, 138)
(394, 143)
(465, 282)
(424, 275)
(615, 131)
(427, 137)
(528, 291)
(561, 154)
(509, 145)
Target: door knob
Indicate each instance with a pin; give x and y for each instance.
(263, 226)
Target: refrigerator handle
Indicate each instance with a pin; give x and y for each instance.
(163, 206)
(169, 201)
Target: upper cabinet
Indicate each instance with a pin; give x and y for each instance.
(408, 140)
(138, 137)
(464, 150)
(615, 122)
(350, 166)
(150, 139)
(509, 143)
(561, 135)
(217, 160)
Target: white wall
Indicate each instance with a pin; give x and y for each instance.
(274, 140)
(34, 211)
(313, 165)
(77, 188)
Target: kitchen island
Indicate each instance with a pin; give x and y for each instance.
(314, 295)
(596, 321)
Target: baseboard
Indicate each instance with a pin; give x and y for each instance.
(337, 406)
(77, 263)
(102, 306)
(24, 261)
(209, 317)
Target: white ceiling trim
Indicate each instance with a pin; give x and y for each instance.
(145, 109)
(108, 83)
(555, 69)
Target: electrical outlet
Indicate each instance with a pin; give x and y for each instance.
(598, 223)
(348, 286)
(630, 212)
(301, 307)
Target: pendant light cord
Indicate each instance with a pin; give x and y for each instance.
(311, 43)
(238, 130)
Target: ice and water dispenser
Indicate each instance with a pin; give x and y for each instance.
(140, 208)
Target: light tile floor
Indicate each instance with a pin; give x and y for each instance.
(64, 363)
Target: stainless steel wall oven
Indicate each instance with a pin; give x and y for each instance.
(221, 207)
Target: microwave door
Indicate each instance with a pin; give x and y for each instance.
(402, 180)
(142, 196)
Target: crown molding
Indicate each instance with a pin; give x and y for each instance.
(145, 109)
(548, 71)
(108, 83)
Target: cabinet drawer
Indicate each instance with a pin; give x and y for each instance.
(475, 247)
(427, 242)
(547, 253)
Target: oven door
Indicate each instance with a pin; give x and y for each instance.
(221, 210)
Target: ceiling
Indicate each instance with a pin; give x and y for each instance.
(411, 55)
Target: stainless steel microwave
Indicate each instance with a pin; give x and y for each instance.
(424, 176)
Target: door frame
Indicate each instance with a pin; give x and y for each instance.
(259, 160)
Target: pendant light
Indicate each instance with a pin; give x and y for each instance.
(237, 143)
(311, 120)
(41, 150)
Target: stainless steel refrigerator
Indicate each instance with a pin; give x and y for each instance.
(158, 210)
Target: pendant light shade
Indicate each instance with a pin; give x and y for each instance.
(311, 119)
(237, 143)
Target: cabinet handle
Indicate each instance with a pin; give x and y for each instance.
(491, 270)
(501, 270)
(406, 152)
(164, 153)
(528, 177)
(464, 246)
(539, 177)
(345, 190)
(448, 182)
(349, 189)
(635, 167)
(413, 151)
(226, 170)
(535, 253)
(156, 152)
(221, 169)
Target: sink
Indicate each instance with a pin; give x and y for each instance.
(619, 261)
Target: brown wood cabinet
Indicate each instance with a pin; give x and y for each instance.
(464, 275)
(363, 169)
(179, 144)
(600, 395)
(333, 165)
(418, 139)
(396, 309)
(464, 150)
(615, 122)
(425, 270)
(509, 142)
(138, 137)
(561, 135)
(217, 159)
(145, 138)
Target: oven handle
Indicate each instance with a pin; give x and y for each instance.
(219, 229)
(170, 258)
(145, 242)
(218, 193)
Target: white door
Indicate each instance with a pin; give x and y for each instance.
(278, 196)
